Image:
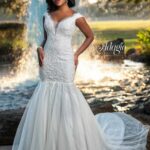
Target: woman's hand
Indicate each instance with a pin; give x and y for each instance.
(40, 51)
(75, 60)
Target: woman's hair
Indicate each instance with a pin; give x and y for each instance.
(52, 7)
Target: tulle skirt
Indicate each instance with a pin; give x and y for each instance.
(58, 117)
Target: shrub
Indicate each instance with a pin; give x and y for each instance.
(144, 40)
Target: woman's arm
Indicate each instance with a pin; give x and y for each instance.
(87, 31)
(45, 34)
(40, 49)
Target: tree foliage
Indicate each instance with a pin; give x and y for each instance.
(144, 40)
(17, 7)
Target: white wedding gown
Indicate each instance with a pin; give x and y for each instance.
(57, 116)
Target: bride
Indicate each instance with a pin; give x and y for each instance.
(57, 117)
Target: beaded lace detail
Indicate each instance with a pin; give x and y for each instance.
(59, 57)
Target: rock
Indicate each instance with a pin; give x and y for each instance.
(123, 104)
(134, 55)
(146, 109)
(130, 52)
(117, 88)
(9, 122)
(6, 147)
(100, 108)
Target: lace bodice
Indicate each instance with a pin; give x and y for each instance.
(59, 57)
(66, 25)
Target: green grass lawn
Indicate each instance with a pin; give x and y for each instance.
(110, 30)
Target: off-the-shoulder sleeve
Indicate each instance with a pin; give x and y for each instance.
(78, 15)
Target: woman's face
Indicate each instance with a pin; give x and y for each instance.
(59, 2)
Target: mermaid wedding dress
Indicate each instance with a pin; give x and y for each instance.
(57, 117)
